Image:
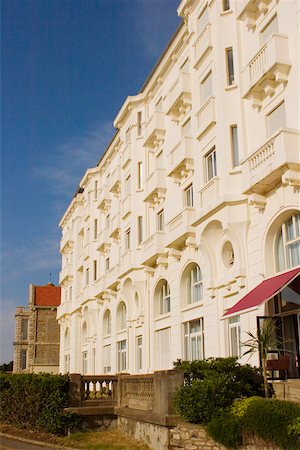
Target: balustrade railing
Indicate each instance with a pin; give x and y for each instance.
(99, 387)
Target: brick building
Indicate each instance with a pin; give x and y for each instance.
(36, 345)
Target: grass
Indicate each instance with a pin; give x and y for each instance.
(102, 440)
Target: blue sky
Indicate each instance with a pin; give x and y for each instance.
(67, 67)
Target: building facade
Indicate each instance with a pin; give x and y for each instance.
(36, 345)
(194, 203)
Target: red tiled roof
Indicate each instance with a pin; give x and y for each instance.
(264, 291)
(48, 295)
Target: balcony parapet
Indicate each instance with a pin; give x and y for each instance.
(153, 248)
(181, 159)
(64, 309)
(126, 155)
(202, 44)
(180, 97)
(104, 241)
(267, 69)
(67, 242)
(250, 10)
(104, 199)
(206, 116)
(209, 192)
(179, 229)
(156, 187)
(266, 166)
(155, 130)
(126, 206)
(66, 274)
(112, 277)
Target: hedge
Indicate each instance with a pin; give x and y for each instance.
(36, 402)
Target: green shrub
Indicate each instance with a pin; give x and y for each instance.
(36, 401)
(240, 406)
(212, 385)
(275, 421)
(227, 430)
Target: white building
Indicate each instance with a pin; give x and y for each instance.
(194, 203)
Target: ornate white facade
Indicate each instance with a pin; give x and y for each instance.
(194, 202)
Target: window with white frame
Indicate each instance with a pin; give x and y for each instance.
(95, 269)
(95, 228)
(87, 276)
(107, 264)
(84, 362)
(139, 123)
(288, 244)
(127, 185)
(189, 196)
(229, 66)
(107, 323)
(164, 297)
(67, 363)
(211, 164)
(269, 29)
(193, 340)
(23, 359)
(160, 221)
(162, 349)
(140, 175)
(139, 353)
(206, 88)
(194, 285)
(122, 355)
(127, 239)
(121, 316)
(140, 229)
(96, 190)
(234, 146)
(276, 119)
(106, 359)
(159, 161)
(235, 336)
(70, 294)
(226, 5)
(107, 221)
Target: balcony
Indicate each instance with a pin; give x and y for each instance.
(202, 44)
(112, 277)
(104, 241)
(115, 227)
(209, 193)
(99, 286)
(153, 247)
(126, 206)
(265, 168)
(206, 116)
(155, 130)
(179, 228)
(64, 309)
(67, 242)
(127, 262)
(250, 10)
(180, 159)
(156, 187)
(269, 67)
(66, 274)
(104, 199)
(116, 181)
(86, 250)
(126, 154)
(180, 98)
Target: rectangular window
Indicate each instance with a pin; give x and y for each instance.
(269, 29)
(127, 136)
(158, 106)
(127, 185)
(84, 362)
(127, 239)
(194, 340)
(108, 179)
(140, 229)
(165, 299)
(226, 5)
(95, 269)
(139, 354)
(140, 175)
(203, 19)
(234, 146)
(206, 88)
(87, 276)
(276, 119)
(107, 221)
(235, 336)
(189, 196)
(139, 123)
(96, 190)
(107, 359)
(107, 264)
(159, 161)
(95, 228)
(162, 349)
(160, 220)
(70, 293)
(211, 164)
(67, 363)
(24, 331)
(23, 359)
(122, 355)
(230, 67)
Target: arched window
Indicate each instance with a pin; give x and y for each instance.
(287, 244)
(162, 298)
(194, 284)
(121, 316)
(107, 323)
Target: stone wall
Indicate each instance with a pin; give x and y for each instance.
(155, 436)
(22, 313)
(287, 390)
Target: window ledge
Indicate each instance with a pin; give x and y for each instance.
(235, 170)
(192, 305)
(225, 13)
(162, 316)
(231, 87)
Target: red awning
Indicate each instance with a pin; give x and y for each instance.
(264, 291)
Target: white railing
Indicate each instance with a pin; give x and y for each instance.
(202, 43)
(206, 115)
(209, 192)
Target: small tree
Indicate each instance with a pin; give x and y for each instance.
(264, 340)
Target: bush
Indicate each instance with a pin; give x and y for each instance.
(36, 401)
(212, 385)
(227, 430)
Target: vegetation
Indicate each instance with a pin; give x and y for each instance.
(7, 367)
(104, 440)
(272, 420)
(212, 385)
(36, 401)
